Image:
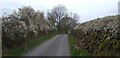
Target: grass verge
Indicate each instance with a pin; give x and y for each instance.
(73, 47)
(31, 44)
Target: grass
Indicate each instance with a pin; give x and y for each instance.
(73, 47)
(31, 44)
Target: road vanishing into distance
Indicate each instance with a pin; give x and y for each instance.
(56, 46)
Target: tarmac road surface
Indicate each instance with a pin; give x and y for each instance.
(56, 46)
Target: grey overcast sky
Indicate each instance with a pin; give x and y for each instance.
(87, 9)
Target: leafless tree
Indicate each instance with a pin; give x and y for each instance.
(56, 15)
(68, 23)
(60, 17)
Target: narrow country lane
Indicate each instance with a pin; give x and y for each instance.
(57, 46)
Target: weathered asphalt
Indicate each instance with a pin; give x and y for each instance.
(56, 46)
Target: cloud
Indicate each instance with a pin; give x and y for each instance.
(87, 9)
